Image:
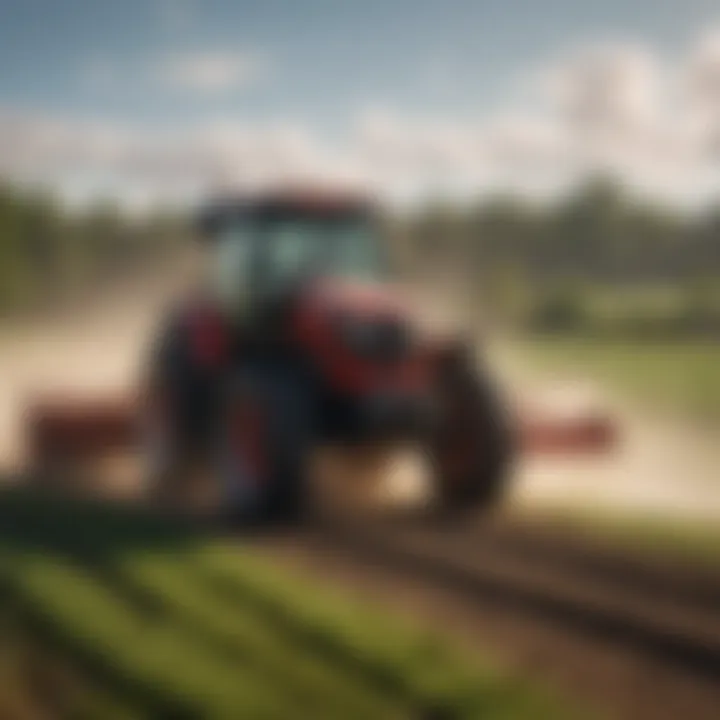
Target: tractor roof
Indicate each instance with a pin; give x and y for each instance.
(284, 203)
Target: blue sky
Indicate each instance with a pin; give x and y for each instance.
(317, 59)
(314, 65)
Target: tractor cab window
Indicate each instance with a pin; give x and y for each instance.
(232, 266)
(287, 250)
(255, 258)
(346, 247)
(354, 251)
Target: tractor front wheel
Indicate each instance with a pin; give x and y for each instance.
(264, 449)
(473, 446)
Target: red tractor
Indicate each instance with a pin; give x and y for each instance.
(299, 341)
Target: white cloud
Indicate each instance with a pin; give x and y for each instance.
(703, 71)
(119, 158)
(210, 72)
(616, 107)
(213, 72)
(652, 122)
(608, 85)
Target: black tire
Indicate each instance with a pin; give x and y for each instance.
(171, 460)
(281, 495)
(476, 420)
(178, 417)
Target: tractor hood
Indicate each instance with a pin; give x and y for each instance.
(430, 315)
(360, 298)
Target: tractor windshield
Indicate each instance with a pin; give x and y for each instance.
(261, 256)
(329, 247)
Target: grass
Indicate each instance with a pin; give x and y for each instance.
(682, 376)
(150, 619)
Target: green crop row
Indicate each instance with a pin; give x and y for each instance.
(155, 663)
(318, 685)
(393, 655)
(157, 621)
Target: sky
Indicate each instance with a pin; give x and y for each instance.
(152, 98)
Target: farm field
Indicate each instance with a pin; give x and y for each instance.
(109, 612)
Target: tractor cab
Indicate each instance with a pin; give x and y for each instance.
(260, 249)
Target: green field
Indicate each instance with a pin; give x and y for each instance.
(679, 376)
(112, 613)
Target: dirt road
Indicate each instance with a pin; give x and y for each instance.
(93, 348)
(664, 465)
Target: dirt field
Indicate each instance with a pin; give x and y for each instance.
(605, 648)
(520, 592)
(93, 348)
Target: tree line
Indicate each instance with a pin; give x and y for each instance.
(594, 258)
(597, 257)
(50, 252)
